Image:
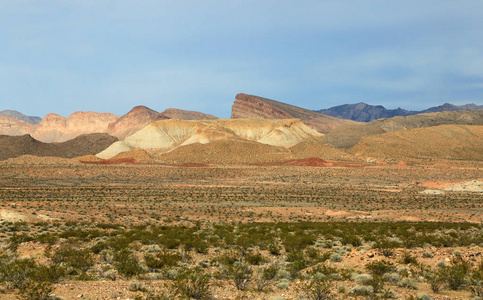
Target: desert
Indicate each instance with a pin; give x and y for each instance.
(260, 207)
(241, 150)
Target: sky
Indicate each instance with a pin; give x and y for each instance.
(111, 55)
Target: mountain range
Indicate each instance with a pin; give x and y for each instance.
(363, 112)
(260, 130)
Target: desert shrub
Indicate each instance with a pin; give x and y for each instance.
(380, 267)
(17, 239)
(241, 274)
(361, 290)
(377, 283)
(18, 273)
(137, 286)
(475, 282)
(322, 269)
(264, 276)
(254, 258)
(456, 274)
(298, 242)
(335, 257)
(351, 240)
(227, 258)
(364, 279)
(78, 259)
(407, 258)
(274, 248)
(408, 283)
(423, 297)
(127, 263)
(317, 289)
(428, 254)
(192, 285)
(283, 284)
(391, 277)
(388, 294)
(162, 259)
(35, 290)
(436, 280)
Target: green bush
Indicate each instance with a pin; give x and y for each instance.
(380, 267)
(192, 285)
(456, 274)
(127, 263)
(162, 259)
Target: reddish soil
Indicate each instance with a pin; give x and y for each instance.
(117, 161)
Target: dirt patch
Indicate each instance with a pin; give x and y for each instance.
(436, 185)
(191, 165)
(308, 162)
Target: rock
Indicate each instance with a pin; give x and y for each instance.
(254, 107)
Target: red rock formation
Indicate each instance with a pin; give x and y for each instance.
(254, 107)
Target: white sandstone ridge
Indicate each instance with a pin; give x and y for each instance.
(165, 135)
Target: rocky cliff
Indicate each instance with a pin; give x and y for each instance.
(254, 107)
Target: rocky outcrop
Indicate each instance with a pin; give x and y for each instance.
(55, 128)
(254, 107)
(15, 146)
(136, 119)
(12, 126)
(174, 113)
(20, 116)
(166, 135)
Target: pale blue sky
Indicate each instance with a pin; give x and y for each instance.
(108, 56)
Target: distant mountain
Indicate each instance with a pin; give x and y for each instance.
(254, 107)
(55, 129)
(452, 107)
(15, 146)
(363, 112)
(12, 126)
(20, 116)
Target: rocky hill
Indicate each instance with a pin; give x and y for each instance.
(15, 146)
(174, 113)
(348, 136)
(20, 116)
(136, 119)
(166, 135)
(140, 116)
(55, 128)
(460, 142)
(363, 112)
(12, 126)
(254, 107)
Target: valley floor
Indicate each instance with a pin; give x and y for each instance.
(432, 213)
